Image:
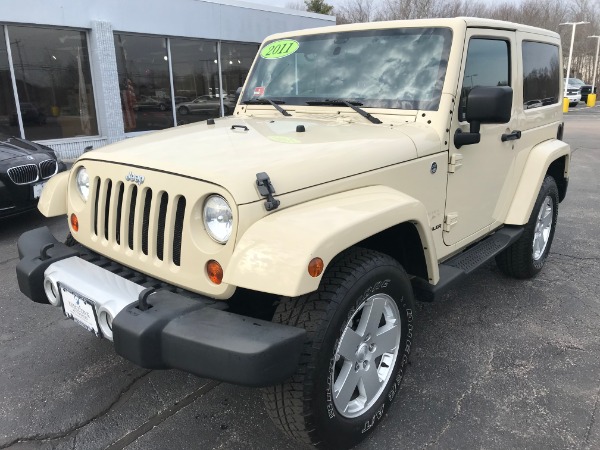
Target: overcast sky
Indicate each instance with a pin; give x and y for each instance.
(335, 3)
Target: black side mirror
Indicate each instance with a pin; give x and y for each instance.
(484, 105)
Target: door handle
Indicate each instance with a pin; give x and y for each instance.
(511, 136)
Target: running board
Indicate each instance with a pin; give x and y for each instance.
(458, 267)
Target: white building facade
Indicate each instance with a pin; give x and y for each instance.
(89, 73)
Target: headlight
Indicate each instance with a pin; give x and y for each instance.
(218, 218)
(83, 183)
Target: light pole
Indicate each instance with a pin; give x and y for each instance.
(570, 51)
(595, 62)
(471, 77)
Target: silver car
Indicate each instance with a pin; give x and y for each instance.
(206, 104)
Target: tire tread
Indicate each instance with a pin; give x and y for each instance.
(288, 403)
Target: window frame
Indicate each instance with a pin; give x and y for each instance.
(560, 76)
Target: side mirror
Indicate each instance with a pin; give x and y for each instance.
(484, 105)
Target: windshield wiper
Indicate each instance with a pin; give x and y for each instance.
(350, 104)
(266, 101)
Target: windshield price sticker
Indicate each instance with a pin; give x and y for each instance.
(279, 49)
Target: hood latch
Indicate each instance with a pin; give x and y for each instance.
(266, 189)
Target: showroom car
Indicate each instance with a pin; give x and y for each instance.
(207, 104)
(25, 166)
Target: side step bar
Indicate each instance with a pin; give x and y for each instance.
(458, 267)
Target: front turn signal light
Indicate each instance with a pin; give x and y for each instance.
(315, 267)
(74, 222)
(214, 271)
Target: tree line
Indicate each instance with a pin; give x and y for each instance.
(546, 14)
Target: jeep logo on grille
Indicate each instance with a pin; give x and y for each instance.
(137, 179)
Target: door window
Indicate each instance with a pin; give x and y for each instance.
(488, 64)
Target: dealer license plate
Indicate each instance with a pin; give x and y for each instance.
(80, 309)
(37, 190)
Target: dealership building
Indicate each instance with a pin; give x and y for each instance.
(89, 73)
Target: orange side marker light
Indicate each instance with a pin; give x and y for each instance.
(315, 267)
(214, 271)
(74, 222)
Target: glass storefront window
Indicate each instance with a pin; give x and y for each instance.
(9, 124)
(54, 82)
(143, 70)
(236, 59)
(195, 79)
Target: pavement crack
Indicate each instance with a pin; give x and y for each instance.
(156, 420)
(580, 258)
(458, 407)
(8, 260)
(156, 391)
(593, 418)
(122, 397)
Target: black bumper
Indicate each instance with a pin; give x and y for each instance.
(190, 334)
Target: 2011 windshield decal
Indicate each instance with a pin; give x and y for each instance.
(279, 49)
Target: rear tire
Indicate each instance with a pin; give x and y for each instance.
(359, 335)
(526, 257)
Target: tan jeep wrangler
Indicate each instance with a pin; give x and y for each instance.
(281, 247)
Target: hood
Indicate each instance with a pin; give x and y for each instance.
(18, 148)
(231, 152)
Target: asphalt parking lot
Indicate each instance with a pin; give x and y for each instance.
(497, 363)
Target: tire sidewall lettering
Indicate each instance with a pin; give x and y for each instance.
(376, 413)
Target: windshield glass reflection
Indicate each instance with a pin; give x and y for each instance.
(396, 68)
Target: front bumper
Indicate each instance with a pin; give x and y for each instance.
(191, 334)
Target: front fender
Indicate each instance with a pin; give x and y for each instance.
(273, 254)
(536, 167)
(53, 201)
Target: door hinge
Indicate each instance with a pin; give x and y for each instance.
(455, 162)
(450, 220)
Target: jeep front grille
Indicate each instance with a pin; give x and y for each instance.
(48, 168)
(122, 212)
(25, 174)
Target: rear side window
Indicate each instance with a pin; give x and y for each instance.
(541, 74)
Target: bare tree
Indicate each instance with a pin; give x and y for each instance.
(298, 4)
(356, 11)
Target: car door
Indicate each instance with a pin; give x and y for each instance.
(481, 173)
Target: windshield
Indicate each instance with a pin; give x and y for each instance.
(576, 82)
(394, 68)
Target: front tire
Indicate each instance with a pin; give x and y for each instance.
(359, 335)
(526, 257)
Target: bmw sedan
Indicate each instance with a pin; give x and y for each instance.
(24, 169)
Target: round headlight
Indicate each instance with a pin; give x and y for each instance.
(83, 183)
(218, 218)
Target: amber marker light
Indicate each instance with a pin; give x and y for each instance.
(74, 222)
(315, 267)
(214, 271)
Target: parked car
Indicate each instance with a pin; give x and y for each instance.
(24, 169)
(573, 94)
(584, 88)
(146, 103)
(207, 104)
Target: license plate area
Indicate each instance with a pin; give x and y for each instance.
(37, 190)
(79, 308)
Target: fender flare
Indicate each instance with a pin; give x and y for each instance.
(273, 254)
(53, 201)
(532, 176)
